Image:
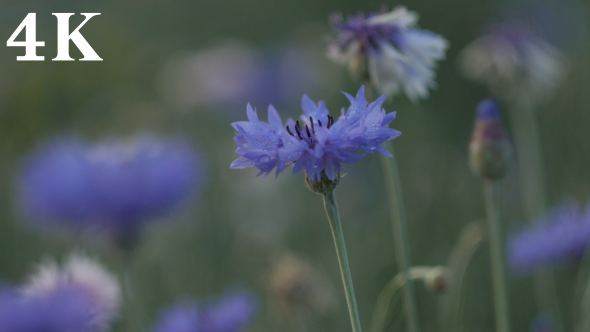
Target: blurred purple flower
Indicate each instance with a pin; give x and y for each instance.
(68, 309)
(543, 323)
(321, 144)
(514, 61)
(232, 74)
(388, 49)
(560, 237)
(231, 313)
(114, 186)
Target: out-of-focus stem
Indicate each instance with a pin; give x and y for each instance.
(400, 233)
(532, 181)
(384, 300)
(331, 207)
(449, 308)
(497, 256)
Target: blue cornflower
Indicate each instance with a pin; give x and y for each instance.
(231, 313)
(113, 186)
(318, 145)
(560, 237)
(388, 49)
(67, 310)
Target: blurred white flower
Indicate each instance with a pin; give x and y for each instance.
(513, 61)
(232, 74)
(388, 50)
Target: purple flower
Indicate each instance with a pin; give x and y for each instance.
(113, 186)
(68, 309)
(560, 237)
(231, 313)
(388, 49)
(543, 323)
(319, 143)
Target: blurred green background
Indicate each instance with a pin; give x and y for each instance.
(233, 231)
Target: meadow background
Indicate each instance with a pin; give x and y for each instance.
(232, 231)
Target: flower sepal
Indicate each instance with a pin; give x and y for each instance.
(324, 185)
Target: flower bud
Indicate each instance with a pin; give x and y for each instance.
(324, 185)
(490, 151)
(438, 279)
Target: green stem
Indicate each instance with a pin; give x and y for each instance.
(532, 180)
(132, 310)
(497, 256)
(584, 324)
(387, 295)
(400, 233)
(331, 207)
(450, 304)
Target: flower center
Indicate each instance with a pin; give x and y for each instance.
(310, 133)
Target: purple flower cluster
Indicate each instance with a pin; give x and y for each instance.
(66, 310)
(81, 296)
(113, 186)
(560, 237)
(319, 143)
(231, 313)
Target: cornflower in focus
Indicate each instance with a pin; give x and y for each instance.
(319, 143)
(231, 313)
(512, 60)
(79, 297)
(113, 186)
(388, 50)
(560, 237)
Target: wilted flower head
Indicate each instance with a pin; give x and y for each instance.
(296, 286)
(560, 237)
(490, 151)
(319, 144)
(82, 275)
(113, 186)
(513, 61)
(68, 309)
(231, 313)
(390, 50)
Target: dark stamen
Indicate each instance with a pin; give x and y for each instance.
(307, 130)
(289, 130)
(320, 122)
(330, 121)
(311, 121)
(298, 129)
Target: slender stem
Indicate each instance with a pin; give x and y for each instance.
(450, 304)
(389, 293)
(133, 312)
(331, 207)
(532, 180)
(400, 233)
(584, 324)
(497, 256)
